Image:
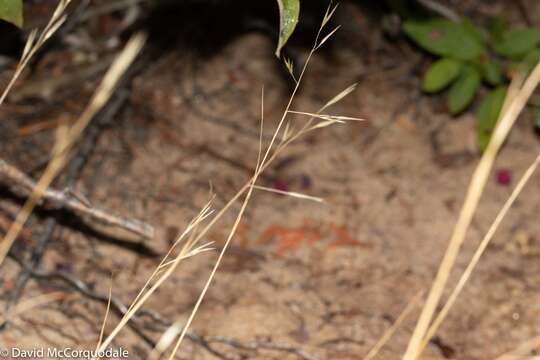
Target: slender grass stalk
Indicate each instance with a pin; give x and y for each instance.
(35, 42)
(392, 329)
(187, 250)
(262, 163)
(66, 142)
(507, 119)
(479, 251)
(102, 331)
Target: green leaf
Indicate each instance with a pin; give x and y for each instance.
(516, 43)
(474, 31)
(288, 18)
(530, 61)
(497, 27)
(488, 114)
(440, 74)
(445, 38)
(463, 90)
(492, 72)
(12, 11)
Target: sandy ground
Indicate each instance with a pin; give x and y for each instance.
(327, 279)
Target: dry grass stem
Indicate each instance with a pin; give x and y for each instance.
(479, 251)
(147, 290)
(476, 186)
(263, 162)
(35, 42)
(61, 152)
(392, 329)
(104, 323)
(289, 193)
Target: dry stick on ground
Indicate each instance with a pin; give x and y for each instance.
(120, 309)
(67, 199)
(479, 251)
(511, 110)
(83, 289)
(72, 173)
(71, 135)
(440, 9)
(258, 345)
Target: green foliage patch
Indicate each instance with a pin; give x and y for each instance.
(471, 58)
(12, 11)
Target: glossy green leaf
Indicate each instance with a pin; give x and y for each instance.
(488, 114)
(289, 11)
(463, 89)
(12, 11)
(440, 74)
(516, 43)
(492, 72)
(445, 38)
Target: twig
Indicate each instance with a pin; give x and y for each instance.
(440, 9)
(68, 135)
(117, 306)
(257, 345)
(22, 185)
(35, 259)
(72, 173)
(83, 289)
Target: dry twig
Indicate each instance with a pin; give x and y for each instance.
(22, 185)
(67, 136)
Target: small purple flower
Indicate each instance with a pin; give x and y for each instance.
(306, 181)
(504, 177)
(281, 185)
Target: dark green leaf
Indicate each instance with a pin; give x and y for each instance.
(516, 43)
(492, 72)
(473, 30)
(288, 18)
(445, 38)
(440, 74)
(463, 90)
(530, 61)
(488, 114)
(12, 11)
(497, 27)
